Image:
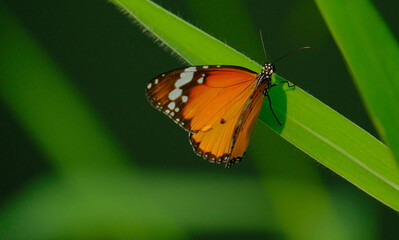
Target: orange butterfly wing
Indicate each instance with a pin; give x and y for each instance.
(218, 105)
(245, 128)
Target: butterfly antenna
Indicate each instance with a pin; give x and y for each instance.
(263, 45)
(296, 50)
(270, 105)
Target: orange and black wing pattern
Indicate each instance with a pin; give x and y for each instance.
(217, 105)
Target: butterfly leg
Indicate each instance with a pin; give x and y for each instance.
(288, 84)
(266, 93)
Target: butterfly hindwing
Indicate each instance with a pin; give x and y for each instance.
(215, 144)
(235, 137)
(246, 125)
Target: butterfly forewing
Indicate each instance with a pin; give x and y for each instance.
(212, 103)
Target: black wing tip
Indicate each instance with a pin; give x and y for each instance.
(149, 93)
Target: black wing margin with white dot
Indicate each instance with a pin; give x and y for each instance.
(225, 158)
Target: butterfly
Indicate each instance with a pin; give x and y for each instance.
(218, 105)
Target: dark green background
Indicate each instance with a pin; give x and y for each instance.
(109, 60)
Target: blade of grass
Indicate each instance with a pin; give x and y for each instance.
(340, 145)
(372, 54)
(295, 190)
(236, 16)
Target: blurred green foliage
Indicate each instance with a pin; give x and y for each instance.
(374, 69)
(95, 161)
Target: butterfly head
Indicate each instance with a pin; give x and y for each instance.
(267, 70)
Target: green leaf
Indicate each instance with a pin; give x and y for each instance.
(295, 189)
(309, 124)
(372, 54)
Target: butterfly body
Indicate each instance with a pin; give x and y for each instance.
(217, 104)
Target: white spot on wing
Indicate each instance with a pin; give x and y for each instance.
(172, 114)
(177, 109)
(190, 69)
(184, 98)
(205, 67)
(167, 111)
(185, 77)
(201, 80)
(173, 95)
(171, 105)
(156, 81)
(149, 85)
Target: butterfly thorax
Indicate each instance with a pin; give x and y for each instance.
(265, 77)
